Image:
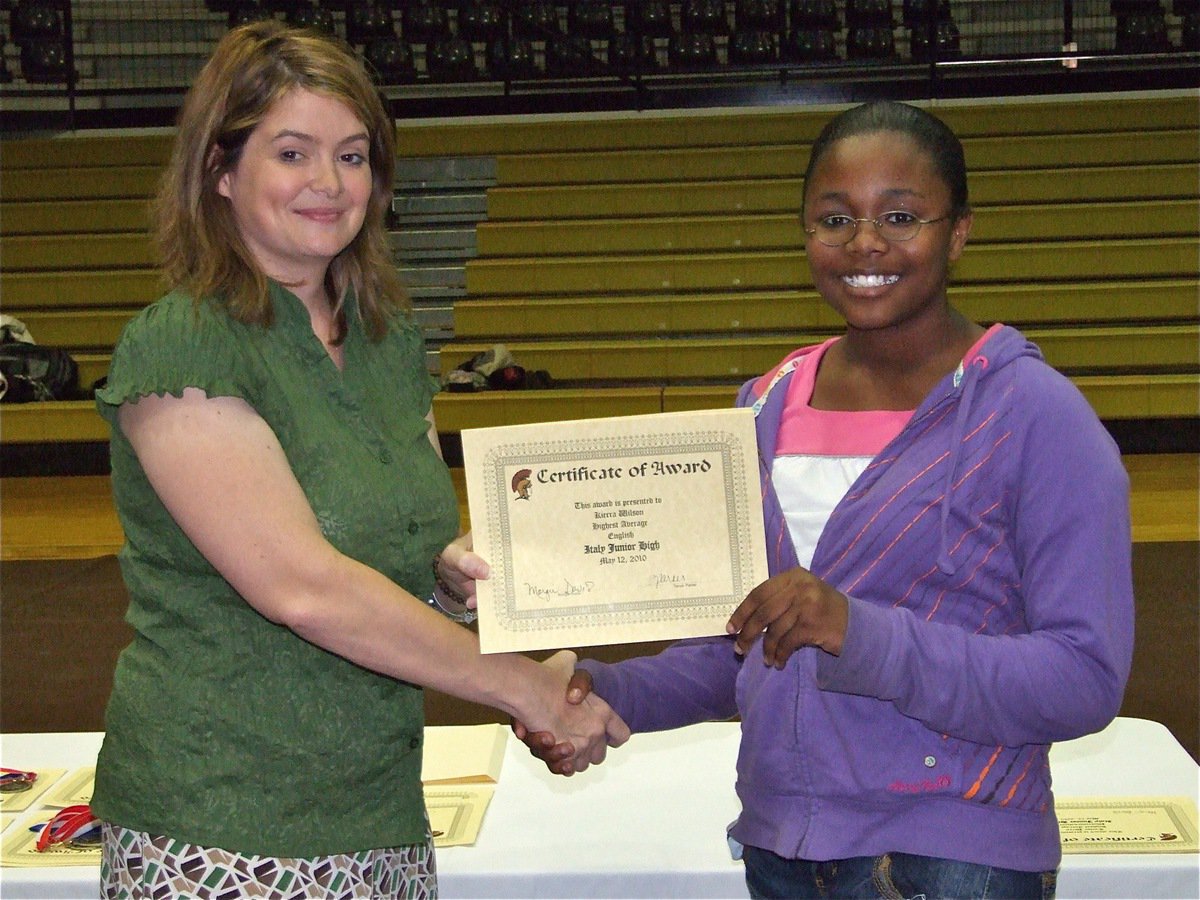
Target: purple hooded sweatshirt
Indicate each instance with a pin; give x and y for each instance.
(985, 553)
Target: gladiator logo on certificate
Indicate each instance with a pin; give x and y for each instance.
(603, 531)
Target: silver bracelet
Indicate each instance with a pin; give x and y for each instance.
(466, 617)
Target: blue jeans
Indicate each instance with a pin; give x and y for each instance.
(890, 877)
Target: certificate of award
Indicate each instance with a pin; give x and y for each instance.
(19, 847)
(18, 796)
(456, 812)
(1127, 825)
(607, 531)
(73, 789)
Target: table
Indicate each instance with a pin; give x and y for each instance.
(650, 822)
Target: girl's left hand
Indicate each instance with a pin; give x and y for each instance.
(796, 609)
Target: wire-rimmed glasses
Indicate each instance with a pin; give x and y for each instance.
(837, 230)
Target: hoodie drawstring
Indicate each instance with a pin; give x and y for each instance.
(965, 379)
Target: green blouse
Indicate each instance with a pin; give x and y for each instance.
(227, 730)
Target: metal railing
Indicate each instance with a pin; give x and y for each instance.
(112, 62)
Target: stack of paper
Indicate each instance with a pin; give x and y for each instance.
(1127, 825)
(460, 769)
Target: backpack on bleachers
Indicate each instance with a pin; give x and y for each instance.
(29, 371)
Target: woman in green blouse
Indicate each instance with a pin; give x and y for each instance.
(285, 506)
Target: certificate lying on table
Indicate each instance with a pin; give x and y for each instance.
(609, 531)
(1127, 825)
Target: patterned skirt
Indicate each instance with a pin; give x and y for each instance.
(140, 866)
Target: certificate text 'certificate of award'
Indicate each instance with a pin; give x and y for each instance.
(609, 531)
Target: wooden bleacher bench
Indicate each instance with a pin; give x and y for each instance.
(1147, 349)
(55, 421)
(78, 250)
(1079, 302)
(782, 194)
(1115, 220)
(1007, 153)
(80, 182)
(33, 217)
(77, 327)
(1000, 263)
(659, 129)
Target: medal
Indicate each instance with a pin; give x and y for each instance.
(13, 781)
(85, 841)
(73, 826)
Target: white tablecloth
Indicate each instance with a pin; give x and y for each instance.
(651, 821)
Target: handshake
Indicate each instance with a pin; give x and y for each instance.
(555, 712)
(570, 728)
(587, 726)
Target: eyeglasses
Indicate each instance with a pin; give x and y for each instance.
(838, 230)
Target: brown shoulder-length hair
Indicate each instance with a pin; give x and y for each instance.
(252, 67)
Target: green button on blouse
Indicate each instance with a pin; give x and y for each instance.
(223, 728)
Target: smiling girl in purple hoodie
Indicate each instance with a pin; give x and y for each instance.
(949, 544)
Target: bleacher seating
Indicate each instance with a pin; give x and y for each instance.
(654, 262)
(77, 258)
(667, 253)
